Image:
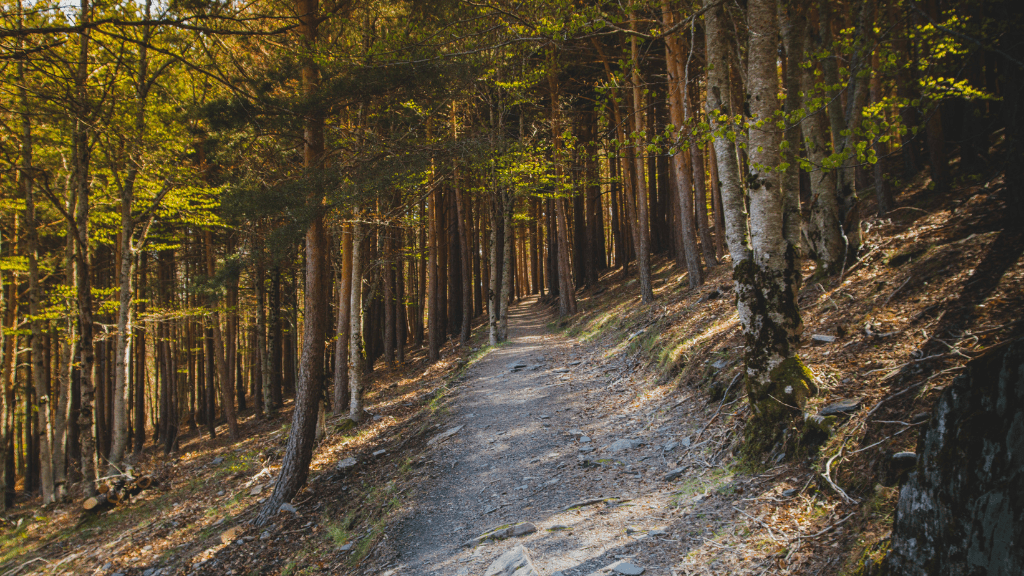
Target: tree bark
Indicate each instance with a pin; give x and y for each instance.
(677, 112)
(299, 449)
(227, 389)
(344, 327)
(777, 382)
(355, 351)
(566, 291)
(643, 245)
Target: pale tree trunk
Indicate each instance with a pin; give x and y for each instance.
(344, 322)
(355, 350)
(308, 386)
(128, 255)
(80, 183)
(643, 246)
(262, 349)
(824, 229)
(227, 389)
(8, 353)
(39, 379)
(494, 278)
(676, 79)
(777, 382)
(717, 104)
(68, 345)
(566, 289)
(506, 266)
(466, 258)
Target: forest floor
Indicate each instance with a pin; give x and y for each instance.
(655, 391)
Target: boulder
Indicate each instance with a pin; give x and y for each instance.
(961, 509)
(515, 562)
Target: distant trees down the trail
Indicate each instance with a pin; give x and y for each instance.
(209, 209)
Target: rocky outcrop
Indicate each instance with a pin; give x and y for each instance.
(962, 509)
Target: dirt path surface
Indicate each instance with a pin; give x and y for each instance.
(547, 423)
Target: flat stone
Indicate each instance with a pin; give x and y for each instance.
(628, 568)
(586, 449)
(583, 439)
(659, 532)
(286, 507)
(380, 452)
(445, 435)
(346, 463)
(822, 338)
(670, 446)
(843, 406)
(514, 562)
(674, 474)
(255, 490)
(719, 364)
(623, 444)
(217, 461)
(345, 547)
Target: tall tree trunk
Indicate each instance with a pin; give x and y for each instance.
(140, 365)
(341, 346)
(262, 355)
(643, 250)
(465, 261)
(494, 287)
(506, 265)
(39, 375)
(276, 342)
(717, 103)
(308, 386)
(777, 382)
(434, 327)
(355, 352)
(566, 291)
(227, 389)
(677, 110)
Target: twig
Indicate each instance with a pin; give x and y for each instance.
(14, 571)
(828, 478)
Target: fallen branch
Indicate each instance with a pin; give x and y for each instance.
(828, 478)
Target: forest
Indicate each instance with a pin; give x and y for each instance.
(210, 209)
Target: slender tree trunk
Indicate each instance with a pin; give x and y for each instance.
(465, 261)
(566, 291)
(262, 355)
(643, 250)
(341, 392)
(506, 267)
(355, 353)
(677, 111)
(434, 339)
(140, 365)
(494, 335)
(227, 389)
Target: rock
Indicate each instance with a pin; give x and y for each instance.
(286, 507)
(445, 435)
(147, 548)
(670, 446)
(623, 444)
(628, 568)
(265, 535)
(896, 469)
(576, 433)
(377, 417)
(346, 463)
(230, 535)
(380, 452)
(789, 493)
(719, 364)
(515, 562)
(685, 442)
(345, 547)
(674, 474)
(502, 532)
(583, 439)
(843, 406)
(217, 461)
(822, 338)
(255, 490)
(659, 532)
(107, 566)
(516, 366)
(585, 449)
(959, 512)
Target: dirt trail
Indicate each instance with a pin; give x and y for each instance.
(516, 461)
